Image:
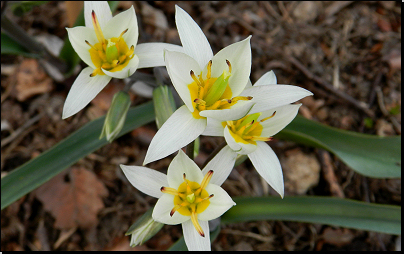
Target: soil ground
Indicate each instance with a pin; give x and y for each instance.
(350, 47)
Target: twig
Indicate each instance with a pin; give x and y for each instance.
(248, 234)
(271, 10)
(17, 132)
(372, 94)
(386, 113)
(329, 175)
(329, 87)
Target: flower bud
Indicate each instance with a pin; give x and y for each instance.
(116, 116)
(143, 229)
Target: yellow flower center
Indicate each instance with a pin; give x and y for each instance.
(191, 198)
(247, 130)
(109, 54)
(212, 93)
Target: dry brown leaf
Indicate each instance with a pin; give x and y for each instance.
(123, 244)
(31, 80)
(73, 198)
(338, 237)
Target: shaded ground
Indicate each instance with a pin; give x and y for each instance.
(350, 47)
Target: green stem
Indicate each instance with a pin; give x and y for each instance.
(213, 154)
(190, 150)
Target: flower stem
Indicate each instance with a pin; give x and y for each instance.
(190, 150)
(213, 154)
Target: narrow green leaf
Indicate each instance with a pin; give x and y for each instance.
(11, 47)
(84, 141)
(373, 156)
(323, 210)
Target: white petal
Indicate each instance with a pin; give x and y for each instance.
(219, 203)
(182, 164)
(213, 128)
(193, 240)
(121, 22)
(148, 181)
(269, 97)
(162, 209)
(249, 84)
(128, 70)
(192, 38)
(179, 66)
(283, 116)
(230, 140)
(237, 111)
(152, 54)
(102, 11)
(268, 166)
(83, 90)
(268, 78)
(239, 147)
(221, 164)
(178, 131)
(77, 37)
(239, 56)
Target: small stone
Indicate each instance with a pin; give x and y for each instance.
(301, 171)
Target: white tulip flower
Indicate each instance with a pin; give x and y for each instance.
(186, 194)
(108, 45)
(249, 134)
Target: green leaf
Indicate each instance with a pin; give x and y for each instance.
(84, 141)
(11, 47)
(67, 53)
(323, 210)
(373, 156)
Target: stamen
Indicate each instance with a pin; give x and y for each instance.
(268, 117)
(131, 50)
(209, 69)
(91, 45)
(201, 79)
(257, 138)
(201, 91)
(97, 28)
(122, 58)
(199, 101)
(194, 220)
(254, 126)
(203, 199)
(120, 36)
(169, 190)
(102, 55)
(228, 64)
(242, 98)
(174, 210)
(195, 78)
(96, 72)
(115, 63)
(206, 179)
